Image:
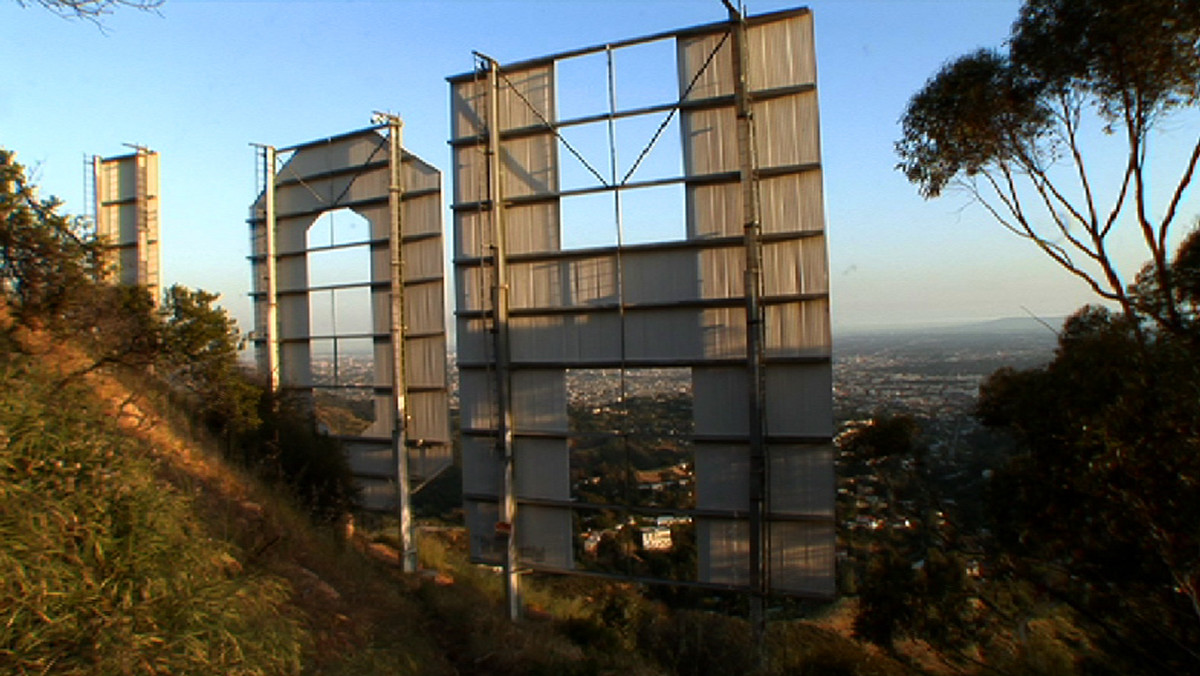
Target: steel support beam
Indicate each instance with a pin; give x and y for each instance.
(755, 335)
(408, 548)
(507, 526)
(269, 227)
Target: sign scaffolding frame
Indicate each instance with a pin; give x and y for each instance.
(404, 441)
(741, 302)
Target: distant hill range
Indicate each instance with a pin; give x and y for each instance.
(1019, 341)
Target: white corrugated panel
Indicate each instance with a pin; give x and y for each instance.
(293, 315)
(317, 194)
(384, 414)
(794, 267)
(126, 171)
(291, 234)
(128, 261)
(424, 361)
(379, 217)
(555, 339)
(781, 53)
(477, 399)
(709, 141)
(382, 353)
(802, 481)
(472, 341)
(481, 518)
(715, 210)
(472, 233)
(722, 476)
(542, 468)
(377, 495)
(662, 335)
(425, 462)
(424, 308)
(381, 304)
(529, 166)
(526, 97)
(544, 537)
(370, 458)
(428, 417)
(418, 175)
(483, 469)
(381, 267)
(693, 52)
(467, 103)
(563, 283)
(800, 400)
(723, 272)
(532, 228)
(473, 285)
(349, 151)
(723, 331)
(295, 365)
(786, 130)
(802, 558)
(792, 203)
(422, 259)
(723, 546)
(595, 337)
(421, 215)
(539, 400)
(660, 276)
(798, 329)
(721, 402)
(470, 174)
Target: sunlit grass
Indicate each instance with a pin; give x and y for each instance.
(104, 567)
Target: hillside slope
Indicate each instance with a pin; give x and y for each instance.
(130, 549)
(127, 550)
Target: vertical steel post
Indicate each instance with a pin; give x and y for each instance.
(500, 293)
(142, 197)
(101, 231)
(748, 163)
(408, 549)
(272, 321)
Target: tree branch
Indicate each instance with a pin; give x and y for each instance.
(1026, 231)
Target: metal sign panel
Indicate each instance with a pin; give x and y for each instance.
(354, 171)
(564, 468)
(127, 217)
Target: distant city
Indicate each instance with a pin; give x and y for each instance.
(930, 374)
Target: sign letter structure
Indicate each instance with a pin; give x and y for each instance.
(530, 309)
(399, 196)
(126, 189)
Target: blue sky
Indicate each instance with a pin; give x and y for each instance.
(203, 79)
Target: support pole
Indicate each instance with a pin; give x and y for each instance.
(142, 192)
(507, 527)
(755, 335)
(408, 549)
(272, 322)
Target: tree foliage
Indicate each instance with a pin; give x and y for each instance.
(45, 261)
(1100, 508)
(1009, 127)
(199, 355)
(913, 582)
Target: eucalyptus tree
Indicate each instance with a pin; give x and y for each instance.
(1011, 127)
